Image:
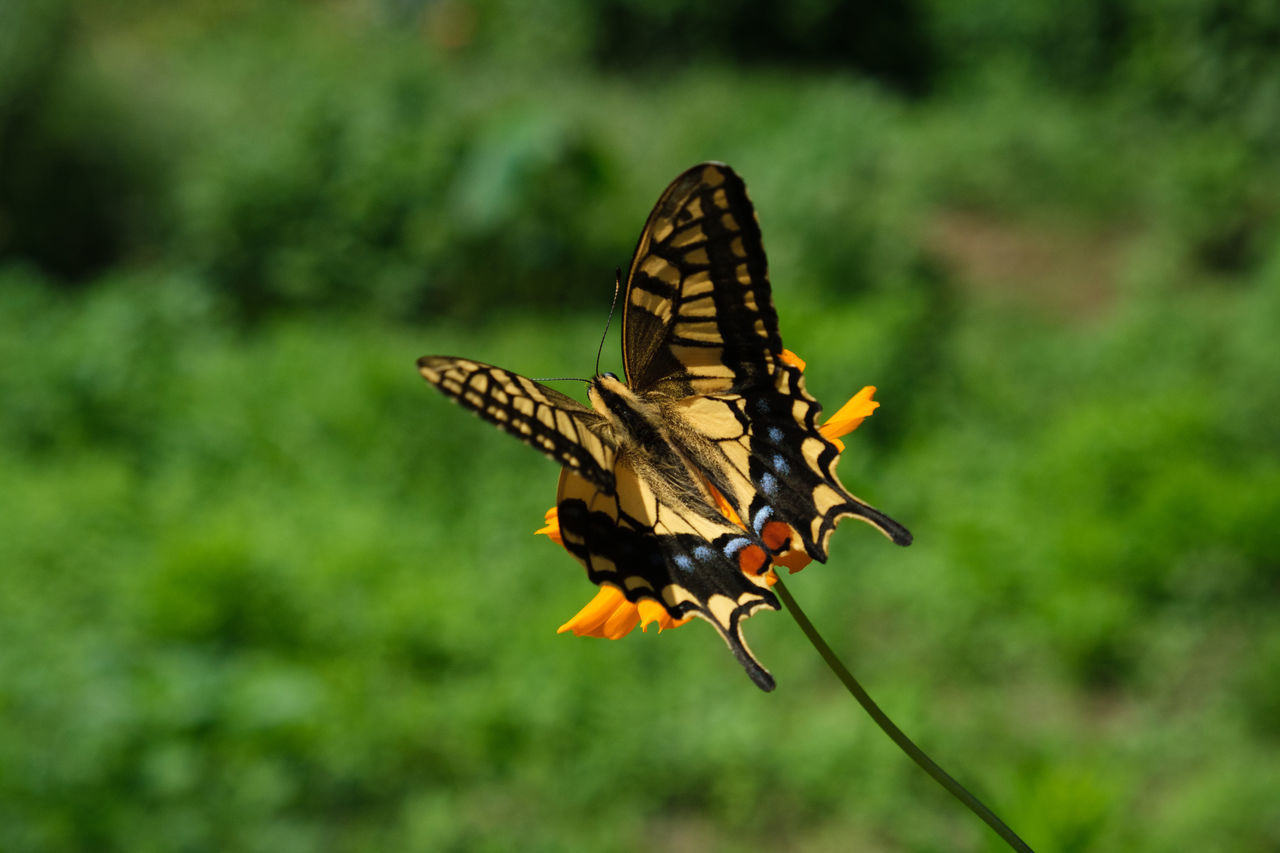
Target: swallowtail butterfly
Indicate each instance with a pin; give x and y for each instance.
(709, 409)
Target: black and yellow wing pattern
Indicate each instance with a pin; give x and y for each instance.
(711, 414)
(554, 423)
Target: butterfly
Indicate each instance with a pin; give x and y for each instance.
(709, 415)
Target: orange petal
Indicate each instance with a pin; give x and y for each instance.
(624, 619)
(589, 619)
(610, 616)
(792, 359)
(552, 529)
(849, 416)
(651, 611)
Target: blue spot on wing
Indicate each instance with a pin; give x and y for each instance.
(769, 484)
(683, 562)
(775, 435)
(703, 553)
(761, 518)
(736, 545)
(781, 465)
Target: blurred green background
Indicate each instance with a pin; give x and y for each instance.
(262, 589)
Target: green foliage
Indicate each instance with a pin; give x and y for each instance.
(388, 197)
(264, 590)
(887, 42)
(77, 190)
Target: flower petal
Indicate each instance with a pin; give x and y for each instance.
(792, 359)
(623, 621)
(552, 528)
(651, 611)
(590, 618)
(849, 416)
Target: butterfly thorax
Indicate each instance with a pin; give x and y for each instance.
(655, 439)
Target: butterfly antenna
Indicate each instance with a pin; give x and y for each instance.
(617, 288)
(560, 379)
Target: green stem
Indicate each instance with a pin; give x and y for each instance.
(895, 734)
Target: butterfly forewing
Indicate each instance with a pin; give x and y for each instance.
(542, 417)
(698, 315)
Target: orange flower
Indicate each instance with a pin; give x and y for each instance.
(611, 615)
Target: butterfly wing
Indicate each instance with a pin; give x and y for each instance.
(551, 422)
(650, 549)
(699, 324)
(774, 465)
(698, 316)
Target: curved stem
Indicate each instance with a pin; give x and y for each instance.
(896, 734)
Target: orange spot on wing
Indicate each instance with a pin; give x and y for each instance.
(793, 560)
(724, 507)
(775, 535)
(752, 559)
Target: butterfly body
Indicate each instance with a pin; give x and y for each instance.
(657, 441)
(711, 415)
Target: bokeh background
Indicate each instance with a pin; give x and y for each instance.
(262, 589)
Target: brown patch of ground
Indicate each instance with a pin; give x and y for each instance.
(1068, 271)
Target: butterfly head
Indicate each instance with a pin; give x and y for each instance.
(607, 392)
(636, 421)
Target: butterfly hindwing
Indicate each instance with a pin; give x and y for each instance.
(790, 455)
(542, 417)
(650, 549)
